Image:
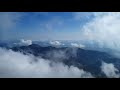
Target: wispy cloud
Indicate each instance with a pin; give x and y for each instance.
(82, 15)
(109, 70)
(15, 64)
(51, 24)
(9, 20)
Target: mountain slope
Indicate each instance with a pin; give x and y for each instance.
(86, 59)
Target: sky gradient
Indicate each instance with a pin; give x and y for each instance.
(42, 25)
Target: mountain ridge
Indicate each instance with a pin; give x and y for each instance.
(89, 60)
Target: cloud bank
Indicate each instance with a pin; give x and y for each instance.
(109, 70)
(104, 29)
(15, 64)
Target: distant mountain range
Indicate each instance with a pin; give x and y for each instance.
(88, 60)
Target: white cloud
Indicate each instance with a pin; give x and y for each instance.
(109, 70)
(24, 42)
(56, 43)
(14, 64)
(103, 29)
(77, 45)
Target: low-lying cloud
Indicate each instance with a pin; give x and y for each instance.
(15, 64)
(9, 20)
(24, 42)
(109, 70)
(56, 43)
(57, 55)
(77, 45)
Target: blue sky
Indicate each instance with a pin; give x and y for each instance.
(42, 25)
(102, 28)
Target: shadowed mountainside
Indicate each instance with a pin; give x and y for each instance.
(86, 59)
